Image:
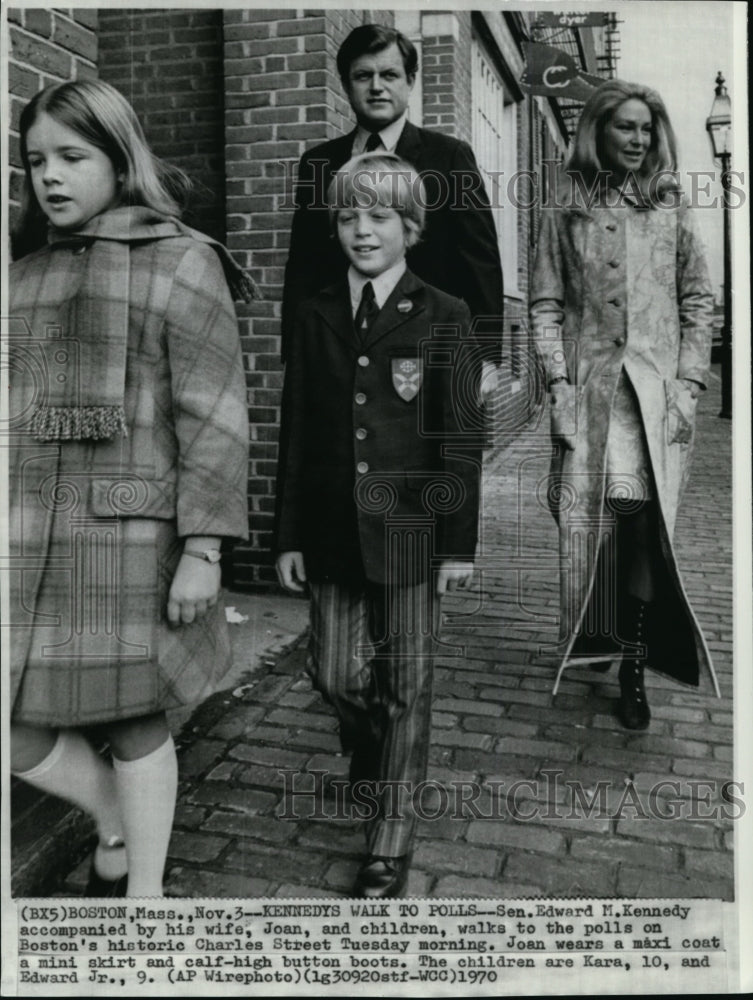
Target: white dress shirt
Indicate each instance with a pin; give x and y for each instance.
(390, 136)
(383, 284)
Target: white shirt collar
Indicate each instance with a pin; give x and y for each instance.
(390, 136)
(384, 284)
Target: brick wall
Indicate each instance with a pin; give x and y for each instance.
(46, 46)
(168, 64)
(438, 83)
(463, 92)
(282, 95)
(446, 74)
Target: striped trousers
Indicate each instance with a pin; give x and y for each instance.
(371, 656)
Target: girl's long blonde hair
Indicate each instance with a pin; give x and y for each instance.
(103, 117)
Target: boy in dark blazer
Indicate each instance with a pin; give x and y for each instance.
(460, 252)
(378, 491)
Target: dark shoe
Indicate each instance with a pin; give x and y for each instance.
(601, 666)
(363, 767)
(382, 878)
(103, 888)
(100, 888)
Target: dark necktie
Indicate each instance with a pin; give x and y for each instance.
(373, 143)
(367, 311)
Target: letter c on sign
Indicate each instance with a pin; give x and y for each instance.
(555, 69)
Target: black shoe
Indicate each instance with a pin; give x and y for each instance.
(104, 888)
(363, 767)
(600, 666)
(382, 878)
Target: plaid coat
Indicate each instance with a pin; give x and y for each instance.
(96, 526)
(621, 291)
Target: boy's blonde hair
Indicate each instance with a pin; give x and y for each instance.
(380, 179)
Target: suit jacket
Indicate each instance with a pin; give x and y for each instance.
(458, 252)
(372, 482)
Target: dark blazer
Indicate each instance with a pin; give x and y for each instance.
(358, 463)
(458, 252)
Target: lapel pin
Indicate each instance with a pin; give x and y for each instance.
(404, 306)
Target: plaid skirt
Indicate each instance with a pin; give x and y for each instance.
(101, 648)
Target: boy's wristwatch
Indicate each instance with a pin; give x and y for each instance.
(208, 555)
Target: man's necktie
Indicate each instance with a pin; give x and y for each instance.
(367, 311)
(373, 143)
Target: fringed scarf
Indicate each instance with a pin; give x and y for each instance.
(96, 317)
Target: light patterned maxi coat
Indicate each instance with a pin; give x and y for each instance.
(620, 296)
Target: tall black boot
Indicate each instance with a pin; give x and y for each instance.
(633, 707)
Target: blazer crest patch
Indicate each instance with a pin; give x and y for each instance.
(407, 375)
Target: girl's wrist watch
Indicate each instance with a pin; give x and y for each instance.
(208, 555)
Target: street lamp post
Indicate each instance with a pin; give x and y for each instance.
(719, 127)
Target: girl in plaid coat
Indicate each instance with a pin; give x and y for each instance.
(128, 461)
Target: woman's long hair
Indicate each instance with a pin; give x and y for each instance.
(586, 168)
(103, 117)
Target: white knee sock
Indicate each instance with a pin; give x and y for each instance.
(73, 770)
(147, 788)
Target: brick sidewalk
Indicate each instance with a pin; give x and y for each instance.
(495, 722)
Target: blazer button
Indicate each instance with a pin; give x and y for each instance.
(614, 263)
(360, 398)
(615, 302)
(361, 433)
(364, 361)
(619, 341)
(362, 467)
(611, 226)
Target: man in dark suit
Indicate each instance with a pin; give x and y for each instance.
(459, 253)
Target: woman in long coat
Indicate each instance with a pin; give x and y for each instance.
(621, 310)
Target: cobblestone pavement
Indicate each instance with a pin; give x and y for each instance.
(495, 723)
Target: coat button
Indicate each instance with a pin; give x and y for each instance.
(615, 302)
(361, 433)
(614, 263)
(619, 341)
(611, 226)
(364, 361)
(362, 467)
(360, 398)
